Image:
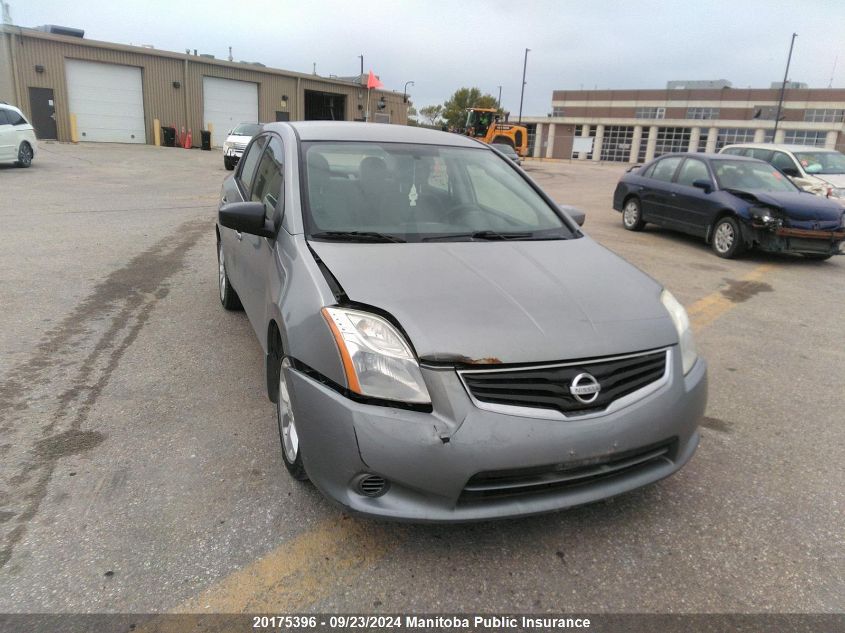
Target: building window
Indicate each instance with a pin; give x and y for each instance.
(643, 145)
(650, 113)
(616, 145)
(805, 137)
(731, 135)
(702, 141)
(557, 111)
(702, 113)
(824, 115)
(671, 139)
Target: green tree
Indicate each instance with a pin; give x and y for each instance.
(454, 110)
(431, 114)
(412, 115)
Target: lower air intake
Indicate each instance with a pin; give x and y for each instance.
(372, 486)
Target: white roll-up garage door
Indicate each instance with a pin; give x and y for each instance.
(108, 101)
(226, 103)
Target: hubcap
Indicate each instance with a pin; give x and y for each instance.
(221, 271)
(287, 424)
(26, 155)
(724, 237)
(631, 214)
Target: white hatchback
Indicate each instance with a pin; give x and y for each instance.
(17, 137)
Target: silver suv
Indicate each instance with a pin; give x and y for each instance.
(17, 137)
(441, 340)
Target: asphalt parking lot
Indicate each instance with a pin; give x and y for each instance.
(139, 457)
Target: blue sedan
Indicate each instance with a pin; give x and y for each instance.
(734, 203)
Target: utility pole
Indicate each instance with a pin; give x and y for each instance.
(522, 92)
(499, 100)
(783, 86)
(362, 65)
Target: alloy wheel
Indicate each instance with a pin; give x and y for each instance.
(287, 422)
(724, 237)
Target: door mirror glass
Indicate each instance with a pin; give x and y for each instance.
(576, 214)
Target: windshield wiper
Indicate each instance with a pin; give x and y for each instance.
(493, 236)
(356, 236)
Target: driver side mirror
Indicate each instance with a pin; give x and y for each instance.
(246, 217)
(704, 184)
(576, 214)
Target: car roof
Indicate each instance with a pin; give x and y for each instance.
(6, 106)
(710, 156)
(383, 132)
(782, 146)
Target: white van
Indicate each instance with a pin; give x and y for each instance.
(815, 169)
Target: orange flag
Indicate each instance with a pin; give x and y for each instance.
(373, 82)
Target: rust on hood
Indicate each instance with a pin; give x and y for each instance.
(462, 360)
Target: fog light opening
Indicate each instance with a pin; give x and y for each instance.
(371, 485)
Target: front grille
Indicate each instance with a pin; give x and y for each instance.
(239, 146)
(548, 387)
(499, 484)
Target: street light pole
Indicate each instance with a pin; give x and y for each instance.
(361, 56)
(783, 86)
(405, 91)
(522, 92)
(499, 100)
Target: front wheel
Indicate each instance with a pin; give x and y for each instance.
(228, 297)
(291, 453)
(25, 155)
(727, 238)
(632, 215)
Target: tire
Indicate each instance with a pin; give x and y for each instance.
(228, 164)
(25, 155)
(228, 297)
(632, 215)
(726, 239)
(291, 452)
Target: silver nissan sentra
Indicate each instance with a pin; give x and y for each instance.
(441, 340)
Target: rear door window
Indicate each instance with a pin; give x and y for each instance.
(665, 168)
(3, 119)
(15, 118)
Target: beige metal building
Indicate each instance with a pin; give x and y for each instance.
(73, 89)
(637, 125)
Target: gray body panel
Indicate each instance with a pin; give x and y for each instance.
(458, 303)
(514, 302)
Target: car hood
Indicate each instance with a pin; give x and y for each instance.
(238, 138)
(505, 302)
(798, 205)
(837, 180)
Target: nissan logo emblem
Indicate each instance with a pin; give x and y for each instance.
(585, 388)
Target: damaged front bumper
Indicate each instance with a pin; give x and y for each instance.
(435, 463)
(776, 238)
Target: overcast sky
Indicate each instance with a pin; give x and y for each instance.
(444, 45)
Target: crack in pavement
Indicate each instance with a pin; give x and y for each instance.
(45, 400)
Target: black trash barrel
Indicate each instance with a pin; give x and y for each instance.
(168, 136)
(206, 139)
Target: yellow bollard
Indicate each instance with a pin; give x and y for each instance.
(157, 132)
(74, 130)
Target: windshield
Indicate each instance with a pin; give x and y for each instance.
(399, 192)
(247, 129)
(821, 162)
(750, 176)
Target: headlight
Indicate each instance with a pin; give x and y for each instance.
(227, 145)
(681, 321)
(767, 216)
(377, 360)
(837, 192)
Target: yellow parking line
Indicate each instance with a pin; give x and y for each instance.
(706, 310)
(302, 571)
